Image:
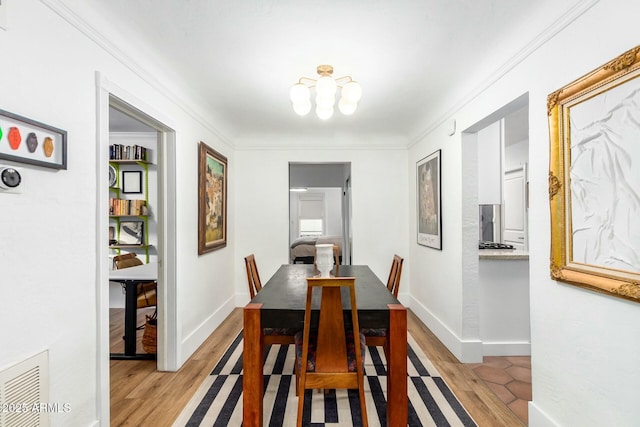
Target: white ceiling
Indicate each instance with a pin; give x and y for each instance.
(415, 59)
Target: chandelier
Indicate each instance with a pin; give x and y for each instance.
(326, 88)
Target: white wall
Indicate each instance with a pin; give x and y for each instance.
(332, 213)
(48, 277)
(490, 143)
(379, 208)
(516, 154)
(583, 343)
(504, 307)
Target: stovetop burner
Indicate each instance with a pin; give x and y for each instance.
(494, 245)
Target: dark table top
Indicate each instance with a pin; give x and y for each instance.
(283, 297)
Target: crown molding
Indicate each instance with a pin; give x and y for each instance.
(66, 13)
(528, 49)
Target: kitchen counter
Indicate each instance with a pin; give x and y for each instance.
(507, 254)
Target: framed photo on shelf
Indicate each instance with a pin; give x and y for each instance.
(28, 141)
(594, 184)
(132, 182)
(131, 233)
(212, 200)
(429, 201)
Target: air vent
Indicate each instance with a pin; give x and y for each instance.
(23, 388)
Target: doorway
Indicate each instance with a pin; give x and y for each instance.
(319, 209)
(115, 104)
(494, 158)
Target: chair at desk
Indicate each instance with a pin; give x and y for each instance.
(331, 354)
(147, 293)
(378, 337)
(271, 335)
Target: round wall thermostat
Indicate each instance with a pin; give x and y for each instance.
(10, 177)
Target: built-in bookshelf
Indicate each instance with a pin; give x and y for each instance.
(129, 213)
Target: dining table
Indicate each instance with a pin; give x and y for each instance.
(281, 304)
(130, 278)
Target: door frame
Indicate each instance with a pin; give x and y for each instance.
(109, 94)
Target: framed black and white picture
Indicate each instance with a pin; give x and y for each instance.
(132, 182)
(131, 233)
(429, 201)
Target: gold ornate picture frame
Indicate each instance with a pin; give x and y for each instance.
(594, 179)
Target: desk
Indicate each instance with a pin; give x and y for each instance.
(281, 303)
(130, 277)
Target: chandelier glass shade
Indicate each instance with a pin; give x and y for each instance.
(326, 88)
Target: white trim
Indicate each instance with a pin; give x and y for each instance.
(102, 268)
(547, 34)
(168, 331)
(506, 348)
(465, 350)
(538, 418)
(130, 63)
(199, 335)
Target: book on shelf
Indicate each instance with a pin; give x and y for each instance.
(127, 207)
(128, 152)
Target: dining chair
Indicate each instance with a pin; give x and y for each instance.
(147, 293)
(331, 354)
(283, 336)
(393, 283)
(252, 275)
(377, 337)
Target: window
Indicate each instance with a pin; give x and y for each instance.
(311, 227)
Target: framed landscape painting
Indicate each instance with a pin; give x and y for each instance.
(212, 200)
(594, 179)
(429, 201)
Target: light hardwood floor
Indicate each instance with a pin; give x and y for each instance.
(142, 396)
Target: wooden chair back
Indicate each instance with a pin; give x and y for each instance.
(126, 260)
(336, 255)
(331, 362)
(393, 283)
(252, 275)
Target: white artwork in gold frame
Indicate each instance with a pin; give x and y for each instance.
(594, 179)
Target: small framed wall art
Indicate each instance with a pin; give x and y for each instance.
(132, 182)
(27, 141)
(131, 233)
(429, 201)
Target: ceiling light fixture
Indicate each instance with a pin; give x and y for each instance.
(326, 87)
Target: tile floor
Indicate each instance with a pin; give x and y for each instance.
(510, 379)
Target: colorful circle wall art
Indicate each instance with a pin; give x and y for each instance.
(32, 142)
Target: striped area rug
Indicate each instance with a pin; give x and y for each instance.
(218, 401)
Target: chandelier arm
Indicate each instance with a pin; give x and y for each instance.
(343, 80)
(302, 79)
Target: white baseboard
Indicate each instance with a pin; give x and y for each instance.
(538, 418)
(191, 343)
(467, 351)
(506, 348)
